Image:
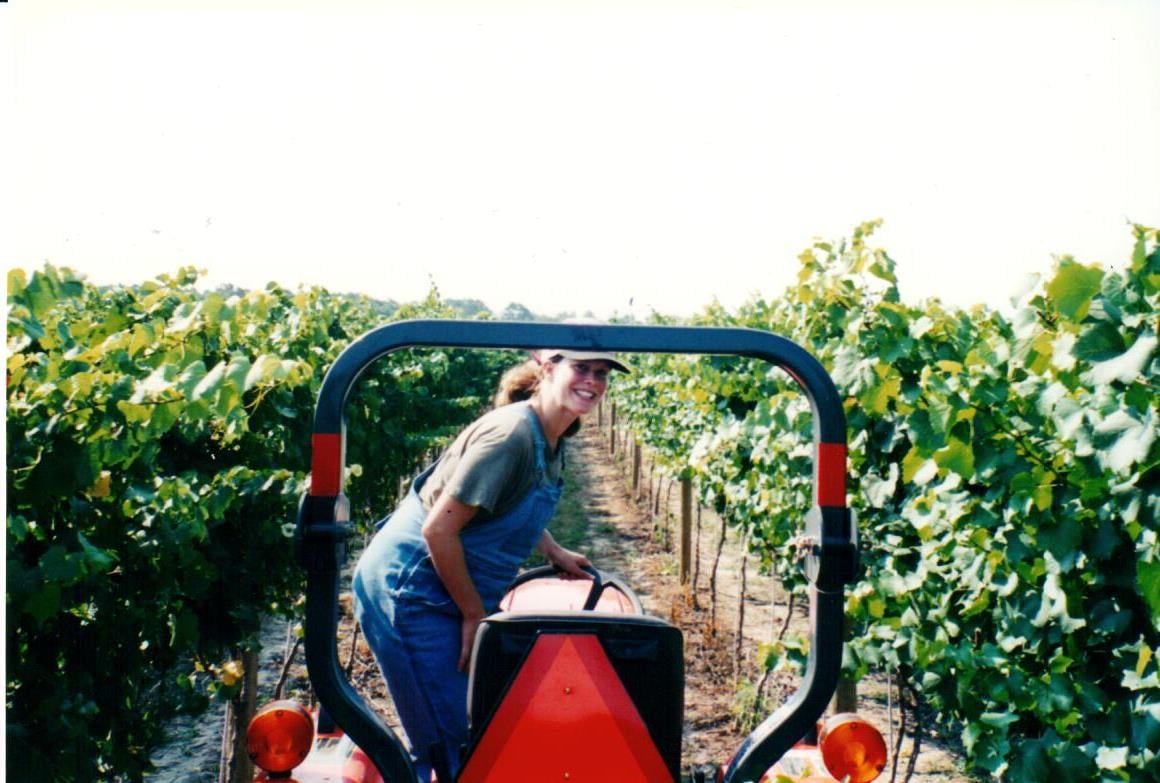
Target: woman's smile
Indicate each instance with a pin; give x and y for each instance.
(587, 398)
(588, 382)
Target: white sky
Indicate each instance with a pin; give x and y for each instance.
(575, 156)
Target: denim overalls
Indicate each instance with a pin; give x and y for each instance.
(412, 625)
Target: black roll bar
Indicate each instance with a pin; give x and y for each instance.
(323, 518)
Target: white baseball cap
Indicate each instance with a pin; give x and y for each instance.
(549, 354)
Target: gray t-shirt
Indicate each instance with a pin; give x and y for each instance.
(491, 464)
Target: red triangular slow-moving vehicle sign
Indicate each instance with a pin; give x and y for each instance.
(566, 717)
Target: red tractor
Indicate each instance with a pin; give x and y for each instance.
(571, 680)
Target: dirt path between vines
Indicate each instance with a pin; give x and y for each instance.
(623, 539)
(718, 671)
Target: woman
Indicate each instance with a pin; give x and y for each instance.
(441, 562)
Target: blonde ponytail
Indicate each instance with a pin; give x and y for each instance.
(518, 383)
(521, 383)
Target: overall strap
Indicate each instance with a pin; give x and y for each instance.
(541, 442)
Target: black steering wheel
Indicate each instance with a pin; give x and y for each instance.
(600, 583)
(594, 592)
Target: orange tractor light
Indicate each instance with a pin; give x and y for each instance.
(852, 748)
(280, 736)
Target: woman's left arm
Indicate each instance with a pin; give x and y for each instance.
(565, 559)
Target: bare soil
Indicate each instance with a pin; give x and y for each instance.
(629, 534)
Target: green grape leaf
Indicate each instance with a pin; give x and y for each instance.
(1123, 440)
(1099, 342)
(44, 602)
(1072, 288)
(1063, 539)
(1148, 581)
(957, 457)
(1126, 367)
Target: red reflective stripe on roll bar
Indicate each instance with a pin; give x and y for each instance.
(831, 474)
(326, 464)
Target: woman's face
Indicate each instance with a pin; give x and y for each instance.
(576, 385)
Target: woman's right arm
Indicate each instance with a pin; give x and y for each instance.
(441, 532)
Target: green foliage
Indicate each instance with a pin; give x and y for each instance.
(1003, 467)
(1004, 471)
(157, 446)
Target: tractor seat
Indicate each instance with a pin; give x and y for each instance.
(574, 694)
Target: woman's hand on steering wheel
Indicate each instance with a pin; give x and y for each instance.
(571, 563)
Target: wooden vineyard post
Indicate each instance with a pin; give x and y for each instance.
(635, 447)
(612, 431)
(739, 638)
(713, 574)
(686, 529)
(235, 765)
(696, 555)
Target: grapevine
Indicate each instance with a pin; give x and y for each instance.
(1004, 470)
(157, 447)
